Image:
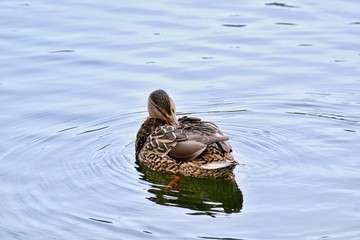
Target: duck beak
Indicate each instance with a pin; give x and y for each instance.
(174, 120)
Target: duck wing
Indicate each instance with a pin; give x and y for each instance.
(204, 131)
(176, 144)
(179, 145)
(189, 140)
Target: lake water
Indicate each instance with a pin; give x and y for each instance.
(281, 79)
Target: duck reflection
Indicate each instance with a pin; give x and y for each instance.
(204, 196)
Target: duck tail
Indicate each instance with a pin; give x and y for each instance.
(218, 165)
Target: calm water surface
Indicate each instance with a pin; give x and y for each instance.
(281, 79)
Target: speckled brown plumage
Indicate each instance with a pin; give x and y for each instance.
(187, 146)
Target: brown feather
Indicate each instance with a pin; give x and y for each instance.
(190, 147)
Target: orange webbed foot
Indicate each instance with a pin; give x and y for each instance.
(173, 185)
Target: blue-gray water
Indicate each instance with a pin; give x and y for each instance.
(281, 79)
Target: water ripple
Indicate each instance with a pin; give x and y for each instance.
(280, 79)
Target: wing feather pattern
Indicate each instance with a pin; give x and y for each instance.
(190, 141)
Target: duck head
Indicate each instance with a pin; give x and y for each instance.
(161, 106)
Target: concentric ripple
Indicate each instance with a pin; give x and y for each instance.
(72, 176)
(280, 79)
(82, 172)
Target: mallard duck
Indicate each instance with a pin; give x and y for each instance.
(186, 146)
